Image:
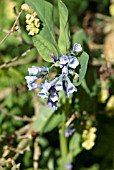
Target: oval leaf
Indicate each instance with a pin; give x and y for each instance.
(44, 47)
(63, 41)
(45, 114)
(45, 12)
(53, 122)
(79, 37)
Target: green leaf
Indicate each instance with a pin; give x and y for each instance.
(45, 114)
(74, 145)
(79, 37)
(53, 122)
(44, 47)
(83, 60)
(45, 13)
(63, 41)
(38, 6)
(85, 86)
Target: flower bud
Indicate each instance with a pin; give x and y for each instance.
(16, 28)
(27, 8)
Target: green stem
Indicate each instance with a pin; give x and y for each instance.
(63, 140)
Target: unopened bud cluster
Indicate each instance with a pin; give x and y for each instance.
(33, 23)
(89, 137)
(32, 20)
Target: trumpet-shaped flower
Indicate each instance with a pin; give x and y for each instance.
(63, 60)
(76, 48)
(47, 89)
(53, 98)
(33, 86)
(59, 84)
(52, 104)
(70, 88)
(35, 70)
(73, 62)
(65, 71)
(31, 79)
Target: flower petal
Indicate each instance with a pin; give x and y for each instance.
(43, 94)
(33, 71)
(76, 48)
(33, 86)
(59, 84)
(73, 62)
(63, 60)
(53, 97)
(52, 104)
(31, 79)
(70, 88)
(65, 71)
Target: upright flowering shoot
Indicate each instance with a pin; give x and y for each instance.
(63, 81)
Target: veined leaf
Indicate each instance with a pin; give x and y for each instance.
(53, 122)
(44, 47)
(83, 60)
(45, 13)
(45, 114)
(46, 120)
(38, 6)
(63, 41)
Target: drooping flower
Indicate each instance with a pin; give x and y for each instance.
(59, 84)
(47, 89)
(33, 86)
(52, 104)
(70, 88)
(35, 70)
(63, 60)
(65, 71)
(76, 48)
(33, 76)
(43, 94)
(30, 82)
(31, 79)
(53, 95)
(53, 98)
(73, 62)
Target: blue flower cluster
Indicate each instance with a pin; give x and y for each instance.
(68, 64)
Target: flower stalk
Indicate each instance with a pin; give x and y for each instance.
(63, 139)
(63, 144)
